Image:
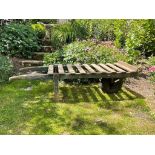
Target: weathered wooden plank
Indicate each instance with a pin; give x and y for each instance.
(107, 68)
(70, 69)
(36, 68)
(80, 69)
(60, 69)
(51, 69)
(116, 68)
(124, 67)
(128, 65)
(98, 75)
(98, 68)
(90, 70)
(56, 84)
(30, 77)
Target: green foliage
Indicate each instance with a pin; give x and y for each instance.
(5, 68)
(103, 29)
(40, 30)
(151, 61)
(85, 52)
(62, 34)
(55, 57)
(120, 31)
(82, 29)
(45, 21)
(133, 56)
(19, 40)
(141, 36)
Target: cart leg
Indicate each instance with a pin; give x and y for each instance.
(56, 85)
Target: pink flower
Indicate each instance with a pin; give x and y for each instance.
(152, 69)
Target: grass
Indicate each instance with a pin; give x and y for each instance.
(28, 107)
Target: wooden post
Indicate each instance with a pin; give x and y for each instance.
(56, 84)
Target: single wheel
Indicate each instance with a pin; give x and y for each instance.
(111, 85)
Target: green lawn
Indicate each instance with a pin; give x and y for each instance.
(28, 107)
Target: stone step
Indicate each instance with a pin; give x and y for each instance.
(29, 63)
(47, 48)
(38, 55)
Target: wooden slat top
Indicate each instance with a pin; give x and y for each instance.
(107, 68)
(60, 69)
(93, 69)
(50, 69)
(126, 66)
(70, 69)
(80, 69)
(90, 70)
(116, 68)
(98, 68)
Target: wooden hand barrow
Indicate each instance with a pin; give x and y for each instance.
(112, 75)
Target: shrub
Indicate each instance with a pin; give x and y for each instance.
(141, 36)
(82, 28)
(40, 30)
(5, 68)
(62, 34)
(19, 40)
(45, 21)
(120, 31)
(103, 29)
(85, 52)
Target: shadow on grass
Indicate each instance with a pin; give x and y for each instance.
(76, 94)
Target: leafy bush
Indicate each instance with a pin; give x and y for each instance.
(85, 52)
(103, 29)
(5, 68)
(151, 61)
(40, 30)
(19, 40)
(141, 36)
(45, 21)
(120, 31)
(82, 29)
(62, 34)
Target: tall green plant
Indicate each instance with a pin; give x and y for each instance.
(62, 34)
(120, 31)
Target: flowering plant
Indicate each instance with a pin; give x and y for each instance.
(152, 69)
(152, 73)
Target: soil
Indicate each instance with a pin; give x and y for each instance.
(144, 87)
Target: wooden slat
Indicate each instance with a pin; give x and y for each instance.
(116, 68)
(80, 69)
(98, 68)
(50, 69)
(60, 69)
(128, 65)
(124, 67)
(107, 68)
(89, 68)
(70, 69)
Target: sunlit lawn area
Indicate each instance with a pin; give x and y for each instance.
(28, 107)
